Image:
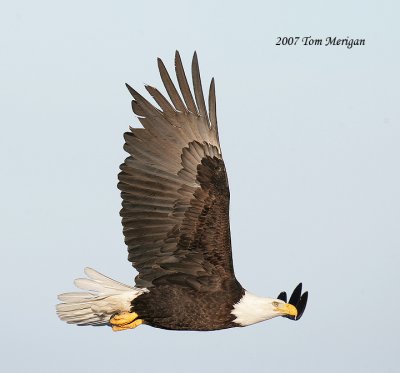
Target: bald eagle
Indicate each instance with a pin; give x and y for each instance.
(175, 217)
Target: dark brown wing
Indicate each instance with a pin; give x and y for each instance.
(175, 209)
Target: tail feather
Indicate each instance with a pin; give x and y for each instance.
(70, 297)
(103, 298)
(107, 282)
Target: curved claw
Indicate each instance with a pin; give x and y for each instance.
(282, 296)
(296, 299)
(301, 306)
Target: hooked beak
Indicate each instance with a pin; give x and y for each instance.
(287, 310)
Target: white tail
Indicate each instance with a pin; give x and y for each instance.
(104, 298)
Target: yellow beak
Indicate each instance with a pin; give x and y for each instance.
(287, 309)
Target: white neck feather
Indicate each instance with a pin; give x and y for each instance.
(252, 309)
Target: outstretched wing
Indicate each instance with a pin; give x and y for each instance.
(175, 209)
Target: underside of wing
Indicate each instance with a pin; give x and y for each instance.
(175, 209)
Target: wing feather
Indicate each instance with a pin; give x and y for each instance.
(175, 208)
(169, 86)
(183, 84)
(213, 106)
(198, 90)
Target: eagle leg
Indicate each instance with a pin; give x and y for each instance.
(131, 325)
(123, 318)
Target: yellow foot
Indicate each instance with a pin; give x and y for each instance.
(132, 325)
(123, 318)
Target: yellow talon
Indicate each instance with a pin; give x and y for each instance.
(132, 325)
(123, 318)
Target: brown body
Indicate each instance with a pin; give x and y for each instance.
(183, 308)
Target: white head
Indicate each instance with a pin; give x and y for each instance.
(252, 309)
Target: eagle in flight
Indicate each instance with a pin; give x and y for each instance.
(175, 217)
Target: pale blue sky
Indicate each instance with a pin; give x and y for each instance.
(310, 137)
